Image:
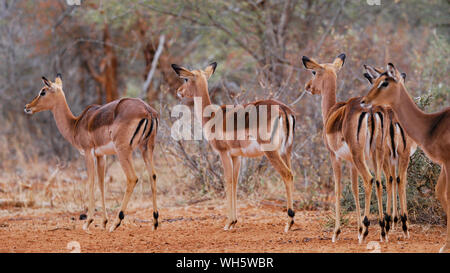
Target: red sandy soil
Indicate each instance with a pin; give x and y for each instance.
(199, 228)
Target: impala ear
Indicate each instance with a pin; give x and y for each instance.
(391, 71)
(58, 80)
(182, 72)
(403, 74)
(339, 62)
(209, 70)
(311, 64)
(368, 77)
(46, 82)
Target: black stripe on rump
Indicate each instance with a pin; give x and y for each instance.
(137, 130)
(403, 136)
(287, 125)
(151, 128)
(392, 133)
(363, 114)
(372, 128)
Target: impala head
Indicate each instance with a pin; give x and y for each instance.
(47, 96)
(385, 89)
(195, 81)
(322, 73)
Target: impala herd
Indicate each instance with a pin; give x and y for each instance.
(378, 132)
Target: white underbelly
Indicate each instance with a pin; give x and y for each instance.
(107, 149)
(252, 150)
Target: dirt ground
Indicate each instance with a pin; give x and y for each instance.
(199, 228)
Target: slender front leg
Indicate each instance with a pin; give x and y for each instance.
(236, 168)
(336, 165)
(228, 174)
(90, 166)
(127, 166)
(101, 169)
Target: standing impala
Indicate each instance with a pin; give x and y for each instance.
(118, 127)
(396, 161)
(430, 131)
(351, 133)
(231, 151)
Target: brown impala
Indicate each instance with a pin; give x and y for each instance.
(396, 161)
(430, 131)
(351, 133)
(117, 128)
(231, 151)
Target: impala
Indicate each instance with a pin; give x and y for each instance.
(396, 161)
(118, 127)
(351, 133)
(430, 131)
(231, 151)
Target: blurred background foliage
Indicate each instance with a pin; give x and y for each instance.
(105, 49)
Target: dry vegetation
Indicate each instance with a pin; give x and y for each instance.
(104, 50)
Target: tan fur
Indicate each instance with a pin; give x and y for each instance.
(430, 131)
(231, 151)
(114, 128)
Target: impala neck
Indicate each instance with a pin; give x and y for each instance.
(415, 121)
(65, 120)
(201, 93)
(328, 96)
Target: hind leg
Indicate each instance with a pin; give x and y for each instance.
(355, 191)
(379, 192)
(402, 182)
(125, 161)
(236, 167)
(288, 179)
(147, 155)
(360, 164)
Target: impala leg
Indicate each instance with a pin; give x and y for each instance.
(446, 190)
(389, 181)
(379, 193)
(440, 189)
(147, 154)
(90, 166)
(337, 192)
(101, 168)
(360, 164)
(288, 179)
(127, 166)
(402, 182)
(355, 190)
(228, 173)
(236, 168)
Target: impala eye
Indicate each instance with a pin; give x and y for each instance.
(383, 84)
(314, 72)
(42, 93)
(185, 80)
